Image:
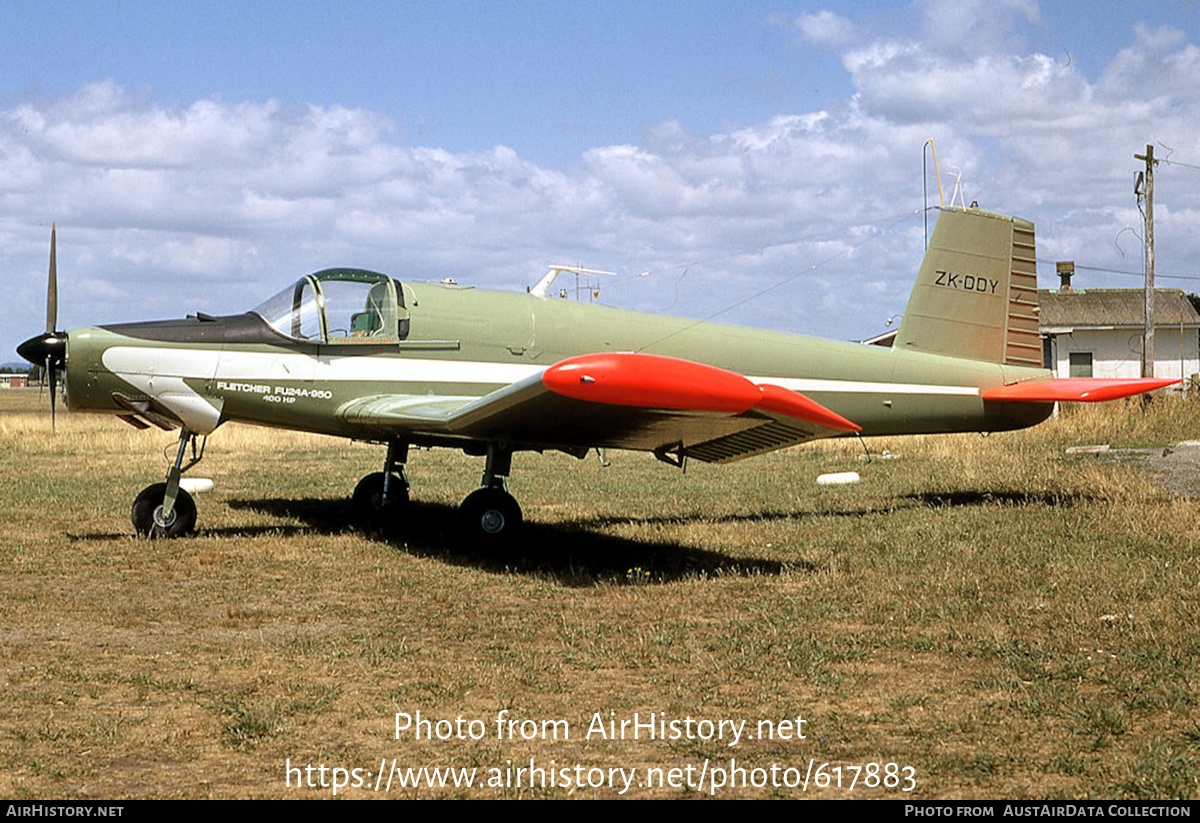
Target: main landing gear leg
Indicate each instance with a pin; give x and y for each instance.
(382, 494)
(164, 509)
(491, 513)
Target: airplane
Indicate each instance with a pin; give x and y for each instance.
(361, 355)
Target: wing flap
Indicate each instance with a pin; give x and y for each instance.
(1080, 389)
(769, 437)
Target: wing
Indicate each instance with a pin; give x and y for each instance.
(615, 400)
(1082, 389)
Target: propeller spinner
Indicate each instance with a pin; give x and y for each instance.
(48, 350)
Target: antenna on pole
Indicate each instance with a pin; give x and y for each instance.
(925, 182)
(1144, 189)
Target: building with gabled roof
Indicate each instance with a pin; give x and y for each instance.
(1098, 332)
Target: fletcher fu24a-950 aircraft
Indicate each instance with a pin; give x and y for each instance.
(358, 354)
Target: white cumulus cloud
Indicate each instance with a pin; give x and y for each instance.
(825, 28)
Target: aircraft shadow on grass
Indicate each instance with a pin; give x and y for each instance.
(572, 553)
(760, 516)
(997, 497)
(565, 552)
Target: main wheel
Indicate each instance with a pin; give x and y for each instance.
(491, 514)
(147, 513)
(368, 497)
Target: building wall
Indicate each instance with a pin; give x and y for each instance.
(1118, 352)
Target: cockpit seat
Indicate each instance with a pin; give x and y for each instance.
(365, 323)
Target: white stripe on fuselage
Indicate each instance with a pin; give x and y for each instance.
(212, 364)
(244, 365)
(808, 386)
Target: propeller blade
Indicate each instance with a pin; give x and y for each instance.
(49, 349)
(52, 285)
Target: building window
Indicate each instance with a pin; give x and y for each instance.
(1081, 363)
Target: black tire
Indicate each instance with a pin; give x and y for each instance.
(492, 515)
(149, 503)
(368, 498)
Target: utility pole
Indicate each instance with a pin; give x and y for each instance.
(1147, 193)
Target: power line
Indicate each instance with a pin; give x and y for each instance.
(1121, 271)
(891, 223)
(1179, 163)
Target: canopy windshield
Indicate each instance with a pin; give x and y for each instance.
(338, 306)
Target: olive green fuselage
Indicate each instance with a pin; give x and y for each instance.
(465, 342)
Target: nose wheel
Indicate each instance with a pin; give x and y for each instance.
(152, 519)
(164, 509)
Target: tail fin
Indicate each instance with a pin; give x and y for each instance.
(976, 293)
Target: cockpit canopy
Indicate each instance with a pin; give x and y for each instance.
(338, 306)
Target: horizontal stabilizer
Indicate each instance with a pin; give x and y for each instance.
(1083, 389)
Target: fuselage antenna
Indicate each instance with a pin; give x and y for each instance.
(546, 282)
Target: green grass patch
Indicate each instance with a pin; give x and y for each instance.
(1005, 618)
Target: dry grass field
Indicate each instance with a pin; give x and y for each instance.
(994, 617)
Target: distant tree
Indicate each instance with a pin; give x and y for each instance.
(1195, 298)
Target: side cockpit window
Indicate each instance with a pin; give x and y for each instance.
(350, 312)
(295, 312)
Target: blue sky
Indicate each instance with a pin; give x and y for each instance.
(548, 79)
(198, 156)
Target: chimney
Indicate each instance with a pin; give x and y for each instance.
(1065, 268)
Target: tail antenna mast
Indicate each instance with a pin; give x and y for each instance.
(925, 182)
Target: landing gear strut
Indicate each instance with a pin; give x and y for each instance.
(380, 495)
(164, 509)
(491, 513)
